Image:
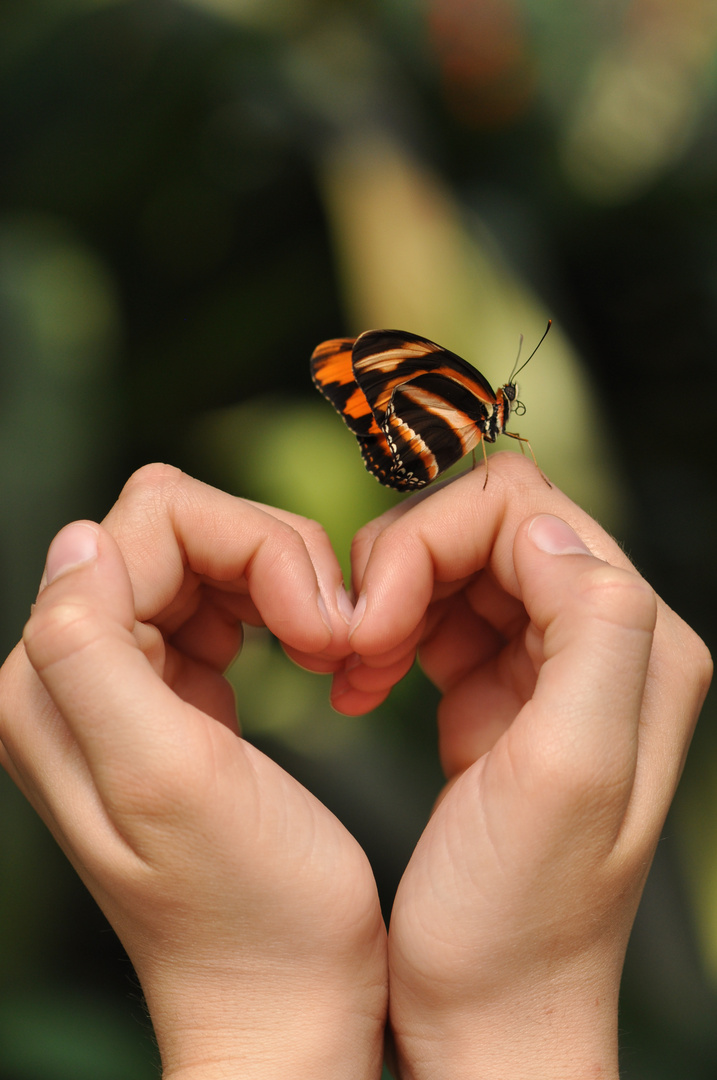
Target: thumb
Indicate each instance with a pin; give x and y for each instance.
(81, 640)
(590, 638)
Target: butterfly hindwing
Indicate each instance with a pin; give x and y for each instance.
(432, 422)
(332, 372)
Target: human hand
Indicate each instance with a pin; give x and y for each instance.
(249, 912)
(570, 692)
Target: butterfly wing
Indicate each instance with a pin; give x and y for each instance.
(432, 404)
(332, 372)
(383, 359)
(431, 423)
(415, 407)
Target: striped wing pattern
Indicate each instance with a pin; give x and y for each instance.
(414, 407)
(332, 372)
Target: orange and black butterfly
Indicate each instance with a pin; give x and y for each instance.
(415, 408)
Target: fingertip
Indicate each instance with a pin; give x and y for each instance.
(361, 685)
(586, 585)
(75, 545)
(84, 578)
(324, 612)
(357, 616)
(344, 605)
(350, 701)
(337, 612)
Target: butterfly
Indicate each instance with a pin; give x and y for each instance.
(415, 407)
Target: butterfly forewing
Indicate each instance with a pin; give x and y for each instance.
(443, 413)
(383, 359)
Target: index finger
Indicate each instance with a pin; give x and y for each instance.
(176, 533)
(402, 559)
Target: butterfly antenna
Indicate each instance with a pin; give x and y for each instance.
(516, 370)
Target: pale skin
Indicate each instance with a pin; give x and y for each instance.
(570, 693)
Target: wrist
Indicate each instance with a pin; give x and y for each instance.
(546, 1032)
(271, 1027)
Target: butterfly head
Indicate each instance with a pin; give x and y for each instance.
(515, 406)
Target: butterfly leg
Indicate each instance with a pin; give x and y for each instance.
(523, 443)
(485, 458)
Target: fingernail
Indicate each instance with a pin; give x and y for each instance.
(554, 536)
(324, 612)
(73, 546)
(359, 612)
(346, 608)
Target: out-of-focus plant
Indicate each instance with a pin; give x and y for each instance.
(193, 195)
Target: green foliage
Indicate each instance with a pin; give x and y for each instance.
(194, 195)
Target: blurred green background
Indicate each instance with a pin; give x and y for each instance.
(192, 196)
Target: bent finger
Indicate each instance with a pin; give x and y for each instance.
(450, 535)
(129, 726)
(196, 533)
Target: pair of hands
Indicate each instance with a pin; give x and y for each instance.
(570, 692)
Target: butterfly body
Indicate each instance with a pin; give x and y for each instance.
(415, 407)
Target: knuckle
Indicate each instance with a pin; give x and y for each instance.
(618, 596)
(150, 485)
(57, 632)
(364, 537)
(382, 535)
(282, 547)
(312, 532)
(583, 781)
(153, 475)
(147, 505)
